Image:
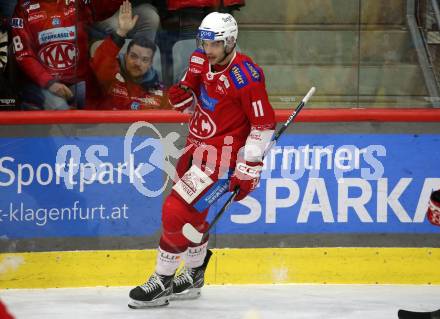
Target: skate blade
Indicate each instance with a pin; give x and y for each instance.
(159, 302)
(189, 294)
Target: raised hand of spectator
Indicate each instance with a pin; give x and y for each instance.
(126, 20)
(61, 90)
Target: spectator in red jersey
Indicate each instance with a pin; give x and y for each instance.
(7, 91)
(3, 44)
(51, 47)
(128, 80)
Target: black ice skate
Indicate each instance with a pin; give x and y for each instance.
(187, 285)
(155, 292)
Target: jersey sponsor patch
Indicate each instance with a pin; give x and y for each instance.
(37, 16)
(34, 6)
(238, 77)
(135, 105)
(59, 55)
(220, 90)
(214, 193)
(56, 21)
(56, 34)
(119, 90)
(149, 101)
(253, 71)
(208, 102)
(17, 23)
(195, 70)
(192, 184)
(224, 79)
(197, 60)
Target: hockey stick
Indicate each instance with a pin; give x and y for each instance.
(189, 231)
(405, 314)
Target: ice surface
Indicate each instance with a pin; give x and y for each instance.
(243, 302)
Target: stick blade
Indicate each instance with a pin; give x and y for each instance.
(405, 314)
(191, 233)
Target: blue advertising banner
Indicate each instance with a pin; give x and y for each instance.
(333, 183)
(86, 186)
(113, 186)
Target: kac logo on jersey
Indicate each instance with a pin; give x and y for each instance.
(59, 56)
(238, 76)
(202, 126)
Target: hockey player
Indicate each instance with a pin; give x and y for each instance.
(231, 113)
(433, 213)
(128, 80)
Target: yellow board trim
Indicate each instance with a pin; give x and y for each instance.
(228, 266)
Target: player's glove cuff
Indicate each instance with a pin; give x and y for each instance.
(246, 177)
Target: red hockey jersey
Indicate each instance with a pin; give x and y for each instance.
(50, 40)
(119, 92)
(230, 102)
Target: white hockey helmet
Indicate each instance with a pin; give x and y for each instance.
(218, 26)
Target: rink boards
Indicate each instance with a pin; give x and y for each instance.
(339, 202)
(228, 266)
